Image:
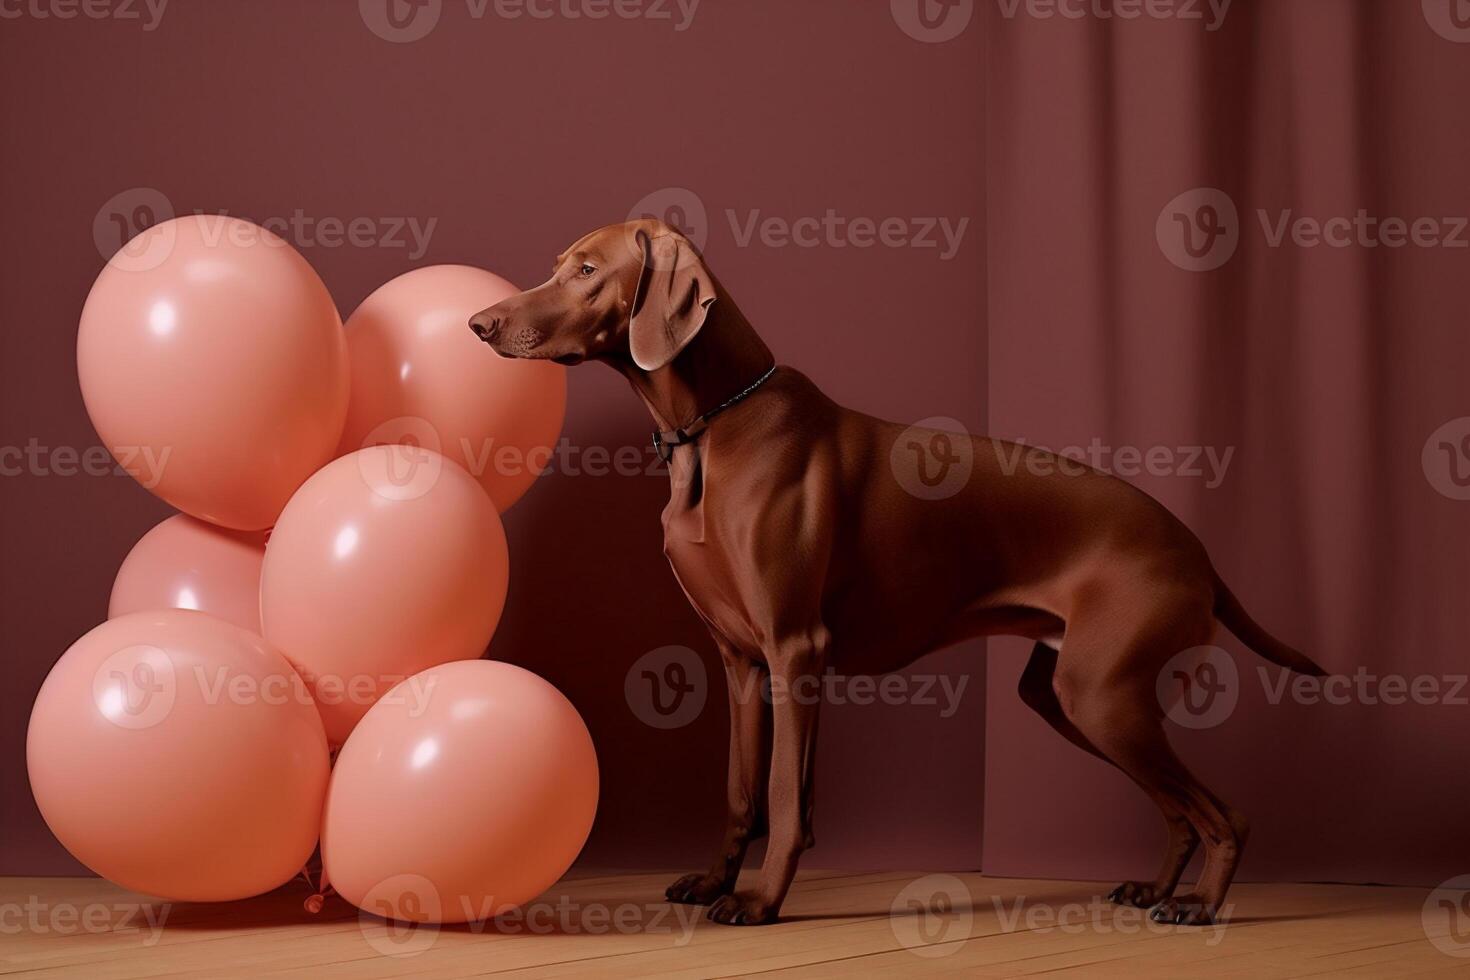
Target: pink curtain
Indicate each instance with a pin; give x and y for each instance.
(1244, 250)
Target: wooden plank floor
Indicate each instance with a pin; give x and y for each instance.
(837, 924)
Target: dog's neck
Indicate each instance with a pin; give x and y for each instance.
(723, 359)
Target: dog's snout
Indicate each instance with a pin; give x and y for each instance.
(486, 327)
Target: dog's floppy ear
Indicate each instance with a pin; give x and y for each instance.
(673, 296)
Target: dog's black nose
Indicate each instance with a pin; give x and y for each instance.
(487, 328)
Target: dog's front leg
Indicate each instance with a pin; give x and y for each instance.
(750, 766)
(796, 666)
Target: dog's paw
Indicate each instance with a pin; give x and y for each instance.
(1186, 910)
(742, 910)
(1138, 894)
(695, 889)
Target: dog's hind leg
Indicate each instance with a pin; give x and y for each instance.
(1105, 684)
(1040, 696)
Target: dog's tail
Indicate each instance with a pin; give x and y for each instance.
(1232, 614)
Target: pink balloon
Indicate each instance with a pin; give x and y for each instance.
(420, 376)
(214, 367)
(386, 562)
(185, 563)
(468, 790)
(179, 756)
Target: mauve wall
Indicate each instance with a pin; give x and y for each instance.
(516, 135)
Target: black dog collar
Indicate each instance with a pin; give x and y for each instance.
(664, 442)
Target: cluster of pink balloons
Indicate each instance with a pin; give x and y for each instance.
(337, 570)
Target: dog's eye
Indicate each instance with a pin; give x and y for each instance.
(587, 270)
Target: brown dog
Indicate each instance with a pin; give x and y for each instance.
(798, 545)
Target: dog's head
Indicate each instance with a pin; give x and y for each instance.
(639, 290)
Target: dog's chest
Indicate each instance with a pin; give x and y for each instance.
(712, 594)
(697, 545)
